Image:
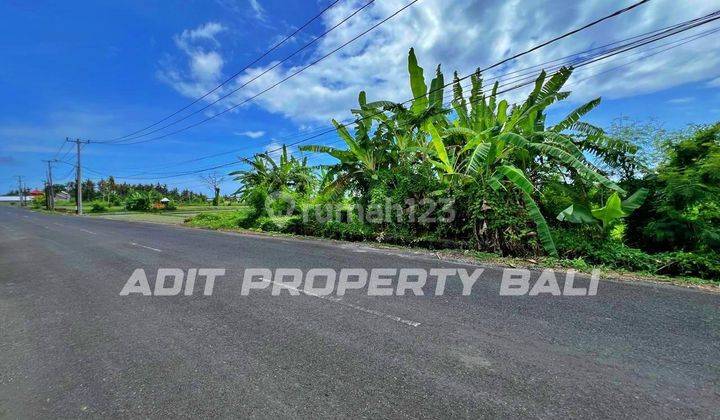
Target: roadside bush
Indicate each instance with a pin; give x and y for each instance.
(679, 263)
(138, 201)
(256, 199)
(294, 225)
(496, 222)
(98, 207)
(38, 201)
(267, 224)
(582, 243)
(683, 211)
(352, 231)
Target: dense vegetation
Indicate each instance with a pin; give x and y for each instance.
(496, 177)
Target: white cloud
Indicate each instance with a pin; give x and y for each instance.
(714, 82)
(251, 134)
(206, 65)
(681, 101)
(465, 34)
(204, 61)
(207, 31)
(258, 9)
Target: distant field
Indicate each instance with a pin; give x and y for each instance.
(171, 219)
(174, 217)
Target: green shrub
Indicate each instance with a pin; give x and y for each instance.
(267, 224)
(679, 263)
(38, 201)
(582, 244)
(593, 249)
(352, 231)
(256, 199)
(138, 201)
(98, 207)
(295, 225)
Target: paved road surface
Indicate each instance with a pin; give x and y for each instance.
(71, 346)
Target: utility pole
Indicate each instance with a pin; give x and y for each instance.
(20, 191)
(78, 179)
(51, 192)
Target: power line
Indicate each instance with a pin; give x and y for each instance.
(236, 74)
(531, 79)
(232, 92)
(678, 29)
(604, 55)
(565, 59)
(536, 47)
(527, 79)
(355, 38)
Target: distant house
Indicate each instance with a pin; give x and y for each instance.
(36, 193)
(62, 195)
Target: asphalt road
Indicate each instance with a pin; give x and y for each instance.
(71, 346)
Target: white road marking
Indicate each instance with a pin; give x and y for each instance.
(56, 223)
(87, 231)
(339, 301)
(146, 247)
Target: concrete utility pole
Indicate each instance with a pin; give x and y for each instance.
(78, 179)
(51, 190)
(20, 191)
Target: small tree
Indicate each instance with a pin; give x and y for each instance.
(213, 180)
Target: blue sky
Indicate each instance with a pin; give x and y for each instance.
(98, 70)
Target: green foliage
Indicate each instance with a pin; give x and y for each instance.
(489, 143)
(139, 201)
(587, 245)
(287, 173)
(504, 169)
(598, 250)
(257, 199)
(38, 202)
(684, 210)
(224, 220)
(613, 210)
(98, 207)
(705, 265)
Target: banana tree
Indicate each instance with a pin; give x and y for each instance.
(396, 135)
(614, 209)
(287, 172)
(357, 164)
(504, 148)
